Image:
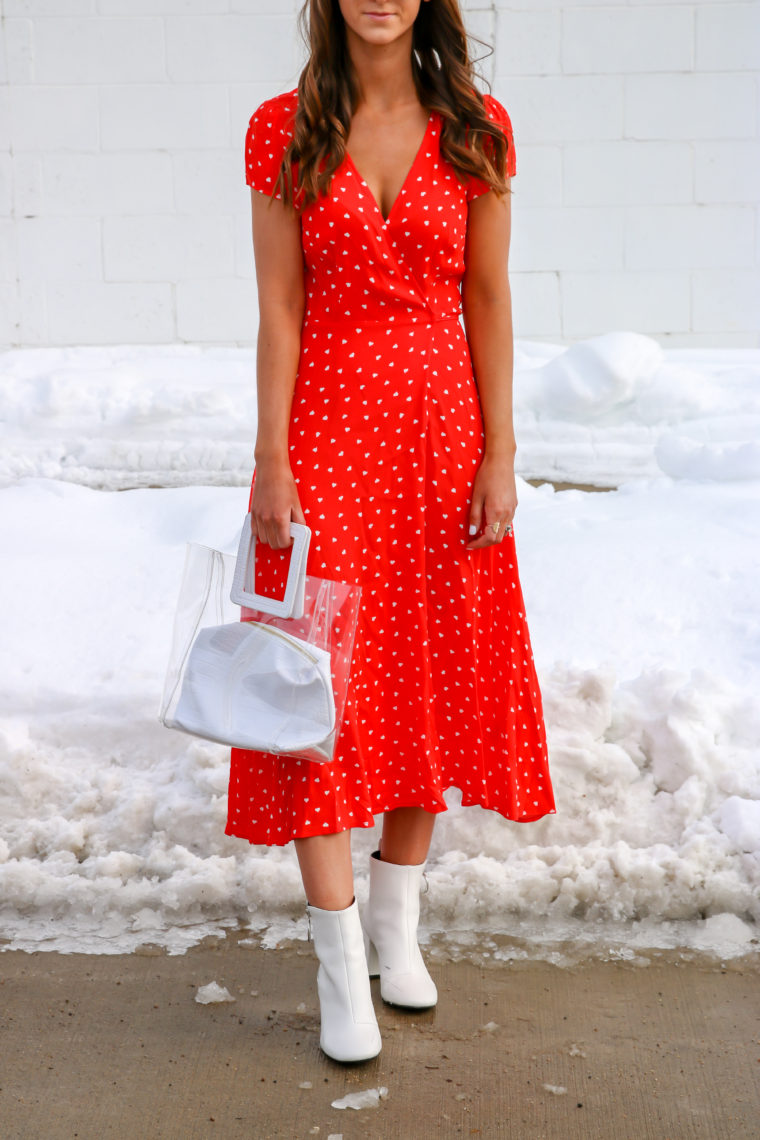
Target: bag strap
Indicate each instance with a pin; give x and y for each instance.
(243, 592)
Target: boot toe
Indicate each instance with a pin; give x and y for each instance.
(361, 1044)
(409, 990)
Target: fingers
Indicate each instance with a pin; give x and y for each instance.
(273, 527)
(496, 526)
(275, 532)
(476, 516)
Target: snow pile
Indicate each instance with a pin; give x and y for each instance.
(714, 451)
(644, 611)
(643, 608)
(128, 417)
(599, 412)
(618, 405)
(648, 773)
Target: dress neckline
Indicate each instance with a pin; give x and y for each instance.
(406, 181)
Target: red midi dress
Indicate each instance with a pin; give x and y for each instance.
(386, 436)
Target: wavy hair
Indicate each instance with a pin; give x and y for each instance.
(328, 93)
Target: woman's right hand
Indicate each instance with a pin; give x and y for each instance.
(275, 503)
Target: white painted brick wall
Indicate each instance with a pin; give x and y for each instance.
(618, 41)
(8, 258)
(728, 295)
(716, 105)
(537, 305)
(6, 190)
(160, 118)
(528, 43)
(97, 50)
(628, 173)
(66, 117)
(26, 186)
(124, 216)
(17, 37)
(174, 248)
(69, 248)
(728, 37)
(726, 170)
(645, 302)
(95, 312)
(5, 119)
(106, 184)
(207, 49)
(553, 238)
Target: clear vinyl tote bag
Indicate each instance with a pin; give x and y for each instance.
(257, 672)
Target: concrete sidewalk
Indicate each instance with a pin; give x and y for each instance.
(116, 1046)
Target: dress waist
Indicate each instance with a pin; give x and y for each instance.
(385, 321)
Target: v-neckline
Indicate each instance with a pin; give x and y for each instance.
(409, 174)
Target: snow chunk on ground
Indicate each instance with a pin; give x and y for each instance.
(725, 933)
(367, 1098)
(213, 992)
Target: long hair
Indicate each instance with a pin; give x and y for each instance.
(328, 93)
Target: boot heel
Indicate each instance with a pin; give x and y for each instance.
(373, 963)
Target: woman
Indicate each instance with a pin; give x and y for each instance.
(381, 216)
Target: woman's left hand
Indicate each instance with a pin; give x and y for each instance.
(494, 500)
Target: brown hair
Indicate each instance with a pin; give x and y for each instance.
(328, 92)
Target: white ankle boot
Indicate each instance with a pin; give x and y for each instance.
(390, 935)
(349, 1027)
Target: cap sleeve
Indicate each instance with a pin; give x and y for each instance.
(497, 114)
(267, 138)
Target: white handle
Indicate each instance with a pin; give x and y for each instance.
(243, 592)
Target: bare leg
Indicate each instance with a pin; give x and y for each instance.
(406, 836)
(328, 877)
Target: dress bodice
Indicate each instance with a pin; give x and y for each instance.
(360, 266)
